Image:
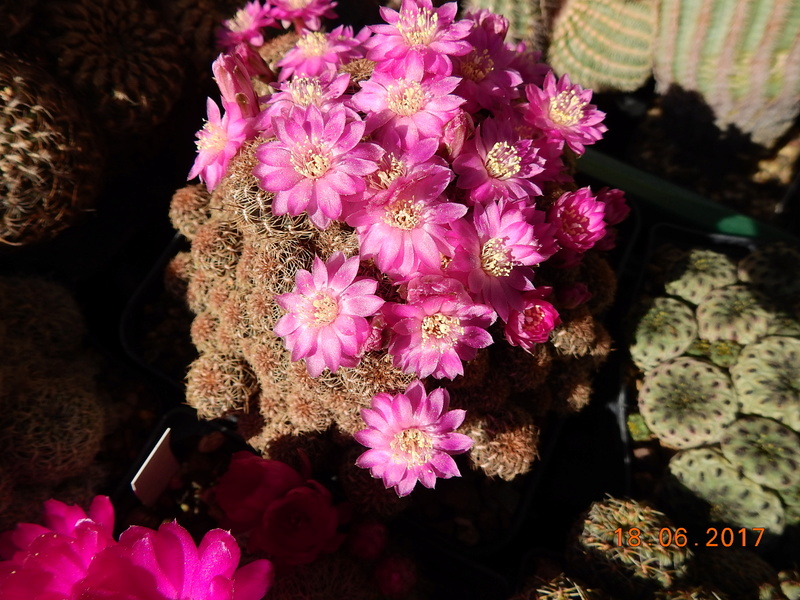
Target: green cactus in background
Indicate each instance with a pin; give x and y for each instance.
(603, 554)
(766, 451)
(734, 313)
(687, 402)
(695, 272)
(767, 379)
(704, 486)
(604, 44)
(526, 18)
(774, 270)
(666, 330)
(737, 573)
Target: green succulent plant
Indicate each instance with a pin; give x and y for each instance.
(698, 271)
(665, 330)
(774, 269)
(734, 313)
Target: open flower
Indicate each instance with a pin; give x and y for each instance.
(303, 13)
(438, 328)
(317, 52)
(411, 437)
(217, 143)
(317, 158)
(326, 320)
(562, 111)
(245, 26)
(578, 217)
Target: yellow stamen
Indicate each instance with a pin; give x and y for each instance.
(502, 161)
(412, 446)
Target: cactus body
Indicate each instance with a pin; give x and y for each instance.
(665, 331)
(733, 313)
(697, 272)
(774, 270)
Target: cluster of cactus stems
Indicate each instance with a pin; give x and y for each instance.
(53, 417)
(741, 57)
(720, 363)
(614, 552)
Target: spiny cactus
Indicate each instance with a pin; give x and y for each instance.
(560, 588)
(737, 573)
(604, 44)
(706, 486)
(690, 593)
(734, 313)
(767, 379)
(773, 269)
(687, 402)
(697, 272)
(664, 331)
(49, 161)
(600, 551)
(766, 451)
(790, 583)
(527, 19)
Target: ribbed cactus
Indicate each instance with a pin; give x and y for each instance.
(604, 44)
(741, 56)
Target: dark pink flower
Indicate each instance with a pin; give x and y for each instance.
(532, 325)
(415, 105)
(326, 321)
(233, 77)
(167, 565)
(418, 34)
(322, 91)
(496, 164)
(578, 218)
(317, 158)
(435, 331)
(562, 111)
(616, 207)
(298, 527)
(217, 143)
(250, 484)
(411, 437)
(317, 52)
(245, 26)
(303, 13)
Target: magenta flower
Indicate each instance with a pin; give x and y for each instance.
(409, 229)
(48, 562)
(496, 164)
(301, 92)
(326, 322)
(317, 158)
(411, 437)
(418, 34)
(233, 77)
(415, 105)
(578, 217)
(434, 332)
(245, 26)
(488, 79)
(616, 207)
(316, 53)
(562, 111)
(532, 325)
(217, 143)
(303, 13)
(167, 565)
(496, 250)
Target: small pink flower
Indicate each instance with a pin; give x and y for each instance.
(303, 13)
(322, 91)
(562, 111)
(233, 77)
(317, 159)
(245, 26)
(616, 207)
(217, 143)
(408, 229)
(496, 164)
(418, 34)
(434, 332)
(578, 218)
(411, 437)
(167, 565)
(415, 105)
(326, 322)
(532, 325)
(317, 52)
(249, 485)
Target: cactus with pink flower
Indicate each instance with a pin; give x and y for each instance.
(392, 244)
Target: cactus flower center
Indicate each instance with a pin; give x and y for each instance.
(213, 139)
(477, 66)
(311, 162)
(406, 99)
(502, 161)
(306, 91)
(566, 108)
(325, 311)
(313, 43)
(404, 215)
(496, 259)
(441, 327)
(391, 169)
(418, 28)
(412, 446)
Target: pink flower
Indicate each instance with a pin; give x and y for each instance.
(47, 562)
(418, 34)
(250, 484)
(411, 437)
(496, 164)
(532, 325)
(495, 251)
(434, 332)
(578, 218)
(233, 77)
(317, 158)
(562, 111)
(408, 229)
(217, 143)
(297, 528)
(245, 26)
(316, 53)
(326, 322)
(303, 13)
(616, 207)
(322, 91)
(167, 565)
(416, 106)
